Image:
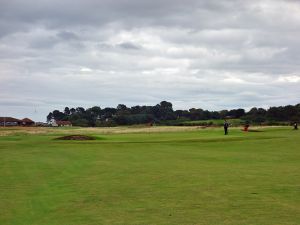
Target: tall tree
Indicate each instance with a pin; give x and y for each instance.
(67, 111)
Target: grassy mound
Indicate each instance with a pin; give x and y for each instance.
(76, 137)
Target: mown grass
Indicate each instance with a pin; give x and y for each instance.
(183, 177)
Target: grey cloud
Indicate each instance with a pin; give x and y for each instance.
(114, 47)
(195, 53)
(67, 35)
(128, 45)
(134, 13)
(44, 42)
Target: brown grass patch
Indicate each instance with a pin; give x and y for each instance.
(76, 138)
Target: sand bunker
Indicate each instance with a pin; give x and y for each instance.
(76, 137)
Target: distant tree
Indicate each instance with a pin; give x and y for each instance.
(80, 110)
(72, 110)
(136, 109)
(166, 111)
(196, 114)
(236, 113)
(206, 115)
(81, 122)
(92, 114)
(163, 113)
(121, 107)
(256, 115)
(57, 115)
(50, 116)
(108, 113)
(166, 105)
(215, 115)
(95, 110)
(182, 114)
(273, 113)
(289, 112)
(156, 112)
(67, 111)
(223, 114)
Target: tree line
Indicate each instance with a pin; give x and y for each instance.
(164, 114)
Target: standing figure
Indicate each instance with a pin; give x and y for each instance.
(226, 125)
(246, 126)
(295, 126)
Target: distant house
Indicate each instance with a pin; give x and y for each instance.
(59, 123)
(64, 123)
(27, 122)
(41, 124)
(9, 121)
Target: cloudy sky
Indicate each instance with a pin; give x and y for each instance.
(210, 54)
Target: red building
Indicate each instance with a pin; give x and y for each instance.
(10, 121)
(27, 122)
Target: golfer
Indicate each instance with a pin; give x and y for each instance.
(226, 125)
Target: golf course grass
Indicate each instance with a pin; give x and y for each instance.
(183, 177)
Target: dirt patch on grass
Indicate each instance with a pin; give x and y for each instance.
(76, 138)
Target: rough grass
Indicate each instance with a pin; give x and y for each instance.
(5, 131)
(181, 177)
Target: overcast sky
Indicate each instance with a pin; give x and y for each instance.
(210, 54)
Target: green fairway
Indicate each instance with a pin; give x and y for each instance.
(182, 177)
